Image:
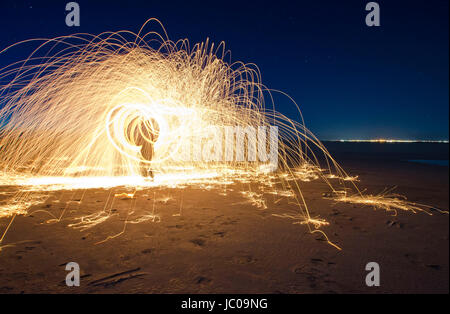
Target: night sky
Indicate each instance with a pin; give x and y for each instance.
(351, 81)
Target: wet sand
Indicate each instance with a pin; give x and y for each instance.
(223, 244)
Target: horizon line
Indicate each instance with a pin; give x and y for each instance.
(387, 141)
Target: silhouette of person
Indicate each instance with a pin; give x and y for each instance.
(144, 133)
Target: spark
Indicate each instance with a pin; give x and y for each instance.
(386, 200)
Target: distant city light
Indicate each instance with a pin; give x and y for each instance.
(381, 140)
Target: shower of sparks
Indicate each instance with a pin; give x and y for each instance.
(65, 109)
(387, 201)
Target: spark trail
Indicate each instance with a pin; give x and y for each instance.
(65, 109)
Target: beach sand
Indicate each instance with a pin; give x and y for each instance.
(222, 244)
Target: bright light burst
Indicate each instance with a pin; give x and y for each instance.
(65, 108)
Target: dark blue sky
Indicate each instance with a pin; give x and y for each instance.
(351, 81)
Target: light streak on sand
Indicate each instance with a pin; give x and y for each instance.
(66, 109)
(38, 183)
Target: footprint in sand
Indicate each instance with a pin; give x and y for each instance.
(147, 251)
(202, 280)
(244, 260)
(198, 242)
(220, 234)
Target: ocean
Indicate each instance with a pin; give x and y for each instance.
(425, 153)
